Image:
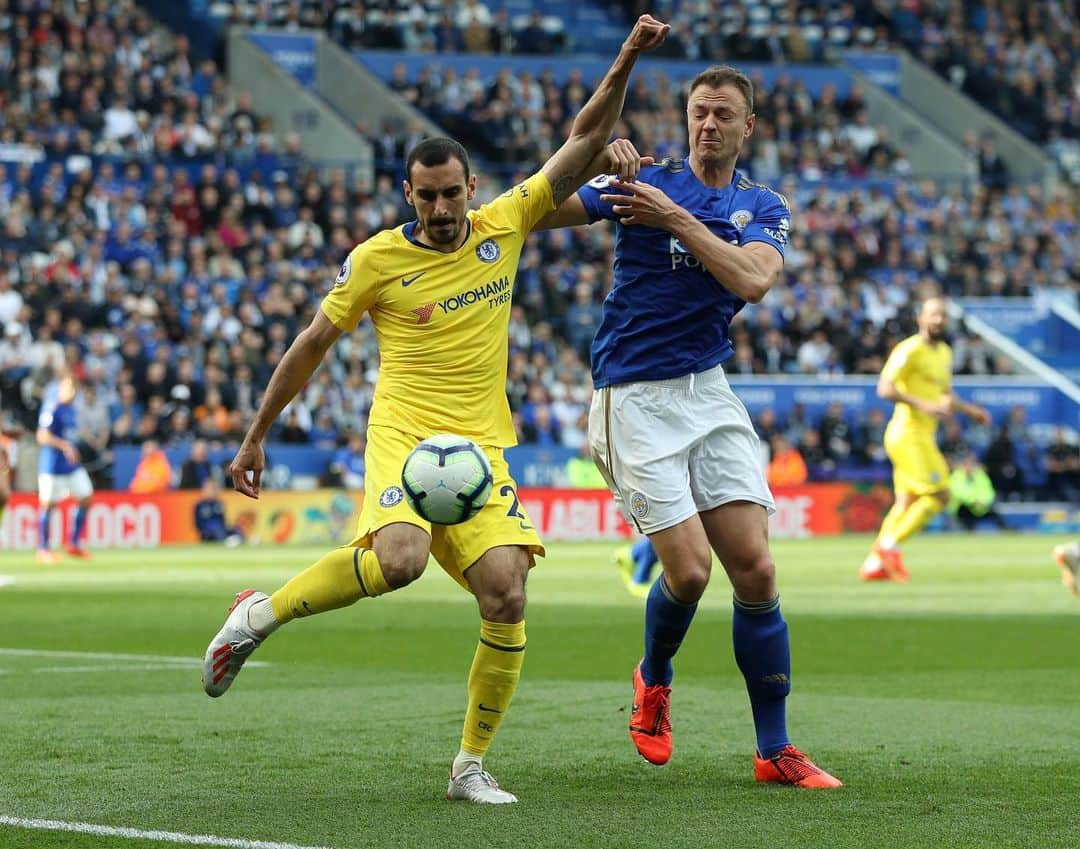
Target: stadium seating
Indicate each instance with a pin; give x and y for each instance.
(163, 242)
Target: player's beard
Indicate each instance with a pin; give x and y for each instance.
(441, 234)
(936, 334)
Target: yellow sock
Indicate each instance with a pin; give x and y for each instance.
(916, 517)
(340, 578)
(889, 522)
(496, 669)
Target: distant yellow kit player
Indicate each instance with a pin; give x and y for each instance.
(918, 378)
(438, 292)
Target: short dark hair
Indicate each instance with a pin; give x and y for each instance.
(437, 151)
(720, 75)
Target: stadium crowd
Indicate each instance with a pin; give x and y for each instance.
(164, 245)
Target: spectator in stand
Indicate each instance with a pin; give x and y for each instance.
(347, 467)
(1000, 458)
(210, 517)
(1062, 462)
(197, 468)
(786, 467)
(972, 495)
(582, 472)
(153, 474)
(819, 466)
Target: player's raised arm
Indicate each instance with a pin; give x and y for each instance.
(294, 370)
(568, 167)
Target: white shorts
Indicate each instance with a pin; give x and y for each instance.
(53, 489)
(673, 448)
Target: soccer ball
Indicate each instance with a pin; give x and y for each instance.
(447, 479)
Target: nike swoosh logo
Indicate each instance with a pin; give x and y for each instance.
(482, 706)
(408, 281)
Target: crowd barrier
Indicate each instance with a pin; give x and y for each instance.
(328, 516)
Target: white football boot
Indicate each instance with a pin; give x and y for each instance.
(232, 645)
(475, 784)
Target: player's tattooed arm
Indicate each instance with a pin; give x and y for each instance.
(568, 166)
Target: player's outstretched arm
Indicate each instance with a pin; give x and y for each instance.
(568, 166)
(294, 370)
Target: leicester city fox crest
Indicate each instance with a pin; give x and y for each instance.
(740, 218)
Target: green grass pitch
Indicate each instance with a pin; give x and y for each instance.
(950, 706)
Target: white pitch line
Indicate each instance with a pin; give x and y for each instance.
(139, 834)
(120, 667)
(91, 655)
(7, 580)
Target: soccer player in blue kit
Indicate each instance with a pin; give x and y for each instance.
(60, 471)
(695, 241)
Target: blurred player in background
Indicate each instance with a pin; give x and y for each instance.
(636, 563)
(1067, 556)
(918, 377)
(438, 291)
(7, 465)
(60, 471)
(695, 241)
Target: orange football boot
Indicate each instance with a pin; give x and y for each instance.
(650, 720)
(893, 562)
(790, 766)
(47, 557)
(76, 551)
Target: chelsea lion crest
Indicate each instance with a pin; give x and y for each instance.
(740, 218)
(391, 496)
(488, 250)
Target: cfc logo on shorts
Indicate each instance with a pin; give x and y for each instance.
(639, 505)
(391, 496)
(488, 250)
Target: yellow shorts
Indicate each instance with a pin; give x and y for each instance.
(502, 521)
(919, 468)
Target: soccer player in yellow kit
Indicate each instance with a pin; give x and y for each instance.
(438, 291)
(918, 378)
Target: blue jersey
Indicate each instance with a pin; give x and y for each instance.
(667, 316)
(59, 420)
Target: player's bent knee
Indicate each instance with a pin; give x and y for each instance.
(753, 579)
(502, 604)
(402, 568)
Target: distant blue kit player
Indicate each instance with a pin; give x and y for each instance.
(60, 472)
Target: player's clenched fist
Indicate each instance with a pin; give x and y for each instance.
(647, 34)
(622, 159)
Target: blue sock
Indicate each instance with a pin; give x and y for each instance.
(644, 556)
(80, 523)
(666, 622)
(43, 527)
(762, 651)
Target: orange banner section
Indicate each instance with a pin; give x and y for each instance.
(327, 516)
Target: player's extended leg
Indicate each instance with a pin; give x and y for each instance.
(884, 552)
(340, 578)
(672, 602)
(78, 527)
(48, 498)
(498, 581)
(738, 532)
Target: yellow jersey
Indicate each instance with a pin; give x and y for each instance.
(441, 319)
(923, 370)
